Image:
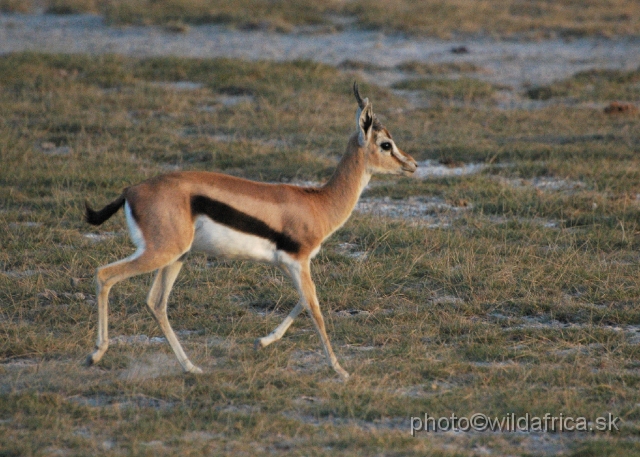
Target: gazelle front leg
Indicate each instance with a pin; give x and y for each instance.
(301, 274)
(280, 329)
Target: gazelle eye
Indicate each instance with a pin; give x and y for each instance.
(386, 146)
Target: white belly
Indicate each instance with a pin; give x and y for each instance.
(222, 241)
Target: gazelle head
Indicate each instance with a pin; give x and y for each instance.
(381, 153)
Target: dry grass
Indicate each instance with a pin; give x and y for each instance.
(428, 68)
(525, 303)
(535, 19)
(463, 89)
(15, 6)
(71, 6)
(598, 85)
(513, 18)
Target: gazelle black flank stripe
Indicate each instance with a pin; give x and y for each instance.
(226, 215)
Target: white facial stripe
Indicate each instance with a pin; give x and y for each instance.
(397, 155)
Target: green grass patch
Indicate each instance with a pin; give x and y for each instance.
(466, 89)
(444, 19)
(428, 68)
(599, 85)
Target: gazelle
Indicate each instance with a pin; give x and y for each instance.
(234, 218)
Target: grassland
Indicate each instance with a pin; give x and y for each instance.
(465, 89)
(526, 301)
(593, 85)
(513, 18)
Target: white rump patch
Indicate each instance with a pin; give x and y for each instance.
(134, 232)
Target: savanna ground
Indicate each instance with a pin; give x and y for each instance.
(504, 18)
(512, 290)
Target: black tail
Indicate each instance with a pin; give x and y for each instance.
(98, 217)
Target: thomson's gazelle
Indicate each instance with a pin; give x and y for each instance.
(234, 218)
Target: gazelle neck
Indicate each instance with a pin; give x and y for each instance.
(341, 193)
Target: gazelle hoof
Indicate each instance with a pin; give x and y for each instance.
(257, 344)
(94, 357)
(89, 361)
(194, 370)
(343, 373)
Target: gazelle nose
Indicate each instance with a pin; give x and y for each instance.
(410, 165)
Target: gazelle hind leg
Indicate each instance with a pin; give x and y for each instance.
(108, 276)
(301, 275)
(157, 302)
(102, 296)
(280, 330)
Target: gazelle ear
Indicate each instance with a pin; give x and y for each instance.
(364, 123)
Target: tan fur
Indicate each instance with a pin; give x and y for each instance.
(162, 211)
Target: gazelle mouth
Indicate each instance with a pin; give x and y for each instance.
(411, 169)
